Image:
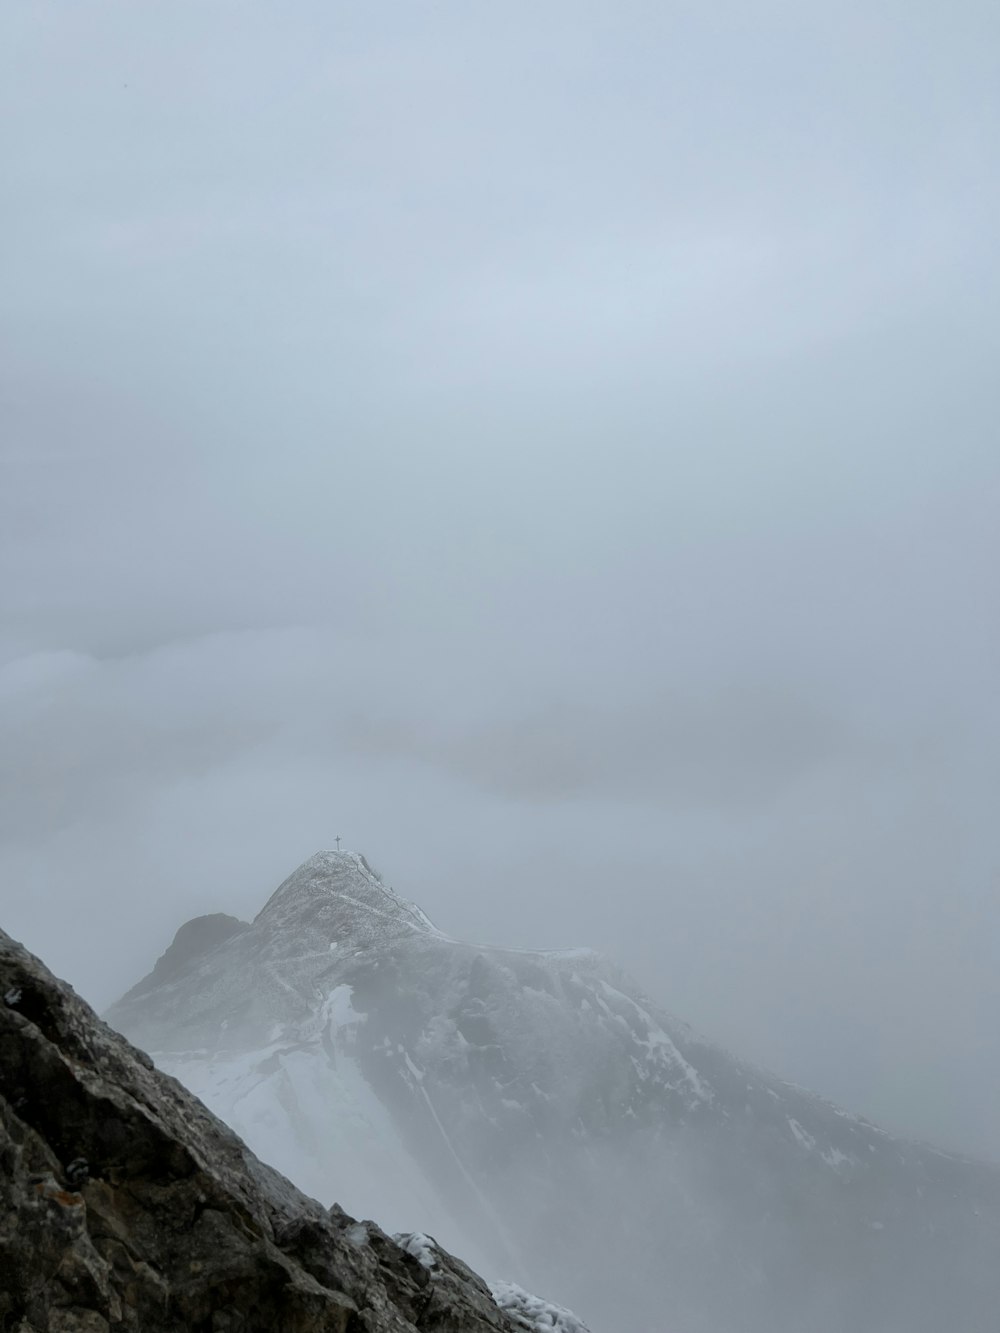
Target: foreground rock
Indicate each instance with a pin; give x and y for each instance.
(125, 1204)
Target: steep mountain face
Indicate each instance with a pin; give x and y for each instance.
(125, 1204)
(537, 1111)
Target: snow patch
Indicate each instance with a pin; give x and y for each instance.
(835, 1158)
(337, 1011)
(418, 1074)
(802, 1138)
(420, 1246)
(532, 1313)
(657, 1043)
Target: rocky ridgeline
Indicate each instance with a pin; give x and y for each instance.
(124, 1203)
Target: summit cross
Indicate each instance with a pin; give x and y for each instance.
(337, 840)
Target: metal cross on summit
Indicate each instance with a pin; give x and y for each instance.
(337, 841)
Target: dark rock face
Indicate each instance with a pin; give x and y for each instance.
(125, 1204)
(194, 939)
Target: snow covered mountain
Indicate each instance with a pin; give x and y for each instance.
(536, 1112)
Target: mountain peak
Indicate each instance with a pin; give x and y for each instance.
(339, 896)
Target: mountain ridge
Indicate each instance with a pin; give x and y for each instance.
(126, 1204)
(511, 1095)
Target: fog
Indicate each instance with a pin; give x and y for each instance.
(552, 448)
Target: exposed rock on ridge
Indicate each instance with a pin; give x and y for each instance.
(194, 938)
(124, 1203)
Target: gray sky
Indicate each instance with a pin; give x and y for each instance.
(553, 446)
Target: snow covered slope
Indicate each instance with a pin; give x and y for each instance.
(536, 1112)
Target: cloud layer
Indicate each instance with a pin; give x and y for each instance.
(554, 450)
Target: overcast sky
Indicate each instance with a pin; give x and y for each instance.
(553, 446)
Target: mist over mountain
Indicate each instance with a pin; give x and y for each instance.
(539, 1114)
(557, 446)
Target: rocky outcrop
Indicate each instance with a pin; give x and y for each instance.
(125, 1204)
(194, 938)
